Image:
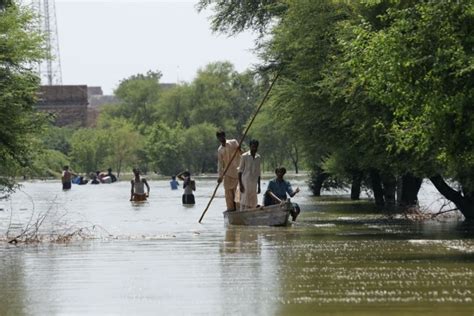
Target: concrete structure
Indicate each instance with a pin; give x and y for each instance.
(77, 105)
(68, 104)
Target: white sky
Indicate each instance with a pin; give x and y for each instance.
(102, 42)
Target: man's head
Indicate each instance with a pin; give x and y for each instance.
(253, 144)
(136, 171)
(66, 167)
(280, 172)
(109, 170)
(221, 136)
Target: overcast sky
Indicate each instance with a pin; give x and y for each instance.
(102, 42)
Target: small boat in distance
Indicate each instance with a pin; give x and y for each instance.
(274, 215)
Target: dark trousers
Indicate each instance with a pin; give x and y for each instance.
(188, 199)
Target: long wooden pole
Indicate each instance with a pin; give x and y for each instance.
(240, 142)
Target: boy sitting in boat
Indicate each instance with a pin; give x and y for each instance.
(277, 191)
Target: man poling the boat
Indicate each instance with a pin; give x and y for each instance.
(228, 157)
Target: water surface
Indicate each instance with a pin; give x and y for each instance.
(155, 259)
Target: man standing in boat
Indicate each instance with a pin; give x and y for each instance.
(249, 176)
(225, 153)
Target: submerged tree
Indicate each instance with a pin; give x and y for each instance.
(421, 67)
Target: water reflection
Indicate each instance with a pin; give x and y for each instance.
(11, 273)
(240, 240)
(248, 272)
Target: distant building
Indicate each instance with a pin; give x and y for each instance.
(94, 91)
(96, 100)
(77, 105)
(68, 104)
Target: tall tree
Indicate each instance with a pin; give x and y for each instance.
(20, 48)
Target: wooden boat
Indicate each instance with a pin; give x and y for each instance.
(274, 215)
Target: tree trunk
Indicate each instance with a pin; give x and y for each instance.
(376, 183)
(389, 189)
(464, 202)
(295, 157)
(317, 182)
(410, 186)
(356, 184)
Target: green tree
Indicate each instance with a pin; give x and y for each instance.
(211, 90)
(276, 144)
(89, 149)
(47, 163)
(200, 148)
(20, 47)
(58, 138)
(235, 16)
(175, 105)
(123, 144)
(139, 95)
(164, 145)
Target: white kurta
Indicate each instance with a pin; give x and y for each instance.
(250, 169)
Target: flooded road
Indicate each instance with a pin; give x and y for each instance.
(155, 259)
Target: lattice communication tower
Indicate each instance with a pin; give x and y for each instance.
(50, 69)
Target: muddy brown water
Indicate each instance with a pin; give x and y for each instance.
(339, 258)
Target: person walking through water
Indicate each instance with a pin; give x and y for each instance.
(225, 152)
(173, 183)
(137, 192)
(66, 178)
(189, 186)
(249, 177)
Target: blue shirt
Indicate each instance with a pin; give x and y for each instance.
(174, 184)
(279, 188)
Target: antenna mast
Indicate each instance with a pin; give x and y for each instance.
(50, 69)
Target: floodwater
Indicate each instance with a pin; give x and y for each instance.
(154, 258)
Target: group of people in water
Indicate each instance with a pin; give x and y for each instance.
(68, 177)
(239, 171)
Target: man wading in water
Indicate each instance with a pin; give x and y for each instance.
(66, 178)
(138, 187)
